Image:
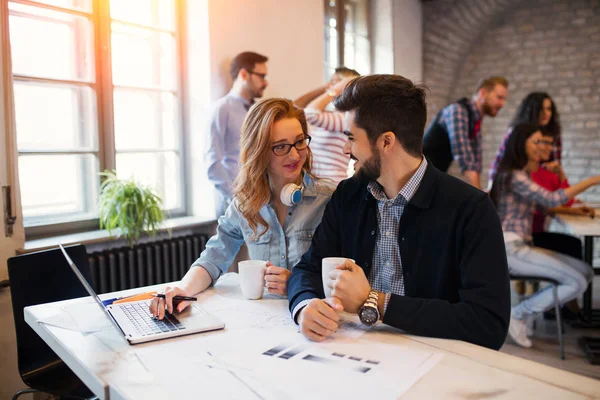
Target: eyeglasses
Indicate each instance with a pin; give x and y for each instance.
(261, 76)
(544, 142)
(284, 149)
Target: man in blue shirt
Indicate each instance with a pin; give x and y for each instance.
(248, 71)
(428, 248)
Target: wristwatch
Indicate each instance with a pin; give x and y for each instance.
(332, 93)
(369, 313)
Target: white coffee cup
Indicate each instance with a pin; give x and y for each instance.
(328, 264)
(252, 278)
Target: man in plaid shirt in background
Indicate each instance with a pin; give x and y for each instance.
(455, 130)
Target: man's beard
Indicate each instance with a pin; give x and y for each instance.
(488, 110)
(257, 92)
(370, 169)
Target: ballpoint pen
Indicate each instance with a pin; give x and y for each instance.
(181, 298)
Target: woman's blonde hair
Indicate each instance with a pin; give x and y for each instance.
(251, 187)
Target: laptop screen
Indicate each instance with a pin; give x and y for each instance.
(88, 287)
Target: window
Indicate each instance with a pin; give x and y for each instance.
(97, 86)
(346, 36)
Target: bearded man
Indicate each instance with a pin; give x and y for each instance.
(424, 251)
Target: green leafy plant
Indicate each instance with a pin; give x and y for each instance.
(129, 206)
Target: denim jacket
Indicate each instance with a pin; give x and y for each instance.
(283, 247)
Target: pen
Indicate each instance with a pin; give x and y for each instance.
(181, 298)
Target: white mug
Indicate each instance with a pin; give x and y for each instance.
(252, 278)
(328, 264)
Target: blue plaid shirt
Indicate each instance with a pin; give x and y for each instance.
(386, 273)
(466, 150)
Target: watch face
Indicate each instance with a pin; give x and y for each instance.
(368, 315)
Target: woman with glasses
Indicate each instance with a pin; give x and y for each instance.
(516, 196)
(277, 206)
(551, 176)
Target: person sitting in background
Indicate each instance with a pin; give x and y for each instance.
(515, 195)
(275, 162)
(551, 176)
(327, 127)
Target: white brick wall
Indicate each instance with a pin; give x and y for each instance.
(539, 45)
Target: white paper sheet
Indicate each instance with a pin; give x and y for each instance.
(80, 317)
(290, 364)
(199, 376)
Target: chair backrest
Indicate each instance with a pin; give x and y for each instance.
(38, 278)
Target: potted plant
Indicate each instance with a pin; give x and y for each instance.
(129, 206)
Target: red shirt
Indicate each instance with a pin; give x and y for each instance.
(551, 181)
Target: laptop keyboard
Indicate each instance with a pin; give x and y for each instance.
(139, 315)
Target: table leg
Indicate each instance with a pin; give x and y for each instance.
(589, 345)
(588, 257)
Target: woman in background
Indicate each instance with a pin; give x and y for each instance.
(516, 196)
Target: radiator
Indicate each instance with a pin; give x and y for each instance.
(144, 264)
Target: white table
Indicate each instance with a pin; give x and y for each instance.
(113, 369)
(588, 228)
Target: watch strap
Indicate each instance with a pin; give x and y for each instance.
(372, 299)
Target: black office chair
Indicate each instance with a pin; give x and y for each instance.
(556, 305)
(38, 278)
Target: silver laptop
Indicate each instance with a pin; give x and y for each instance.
(134, 321)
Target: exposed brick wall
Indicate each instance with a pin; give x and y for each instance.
(451, 28)
(539, 45)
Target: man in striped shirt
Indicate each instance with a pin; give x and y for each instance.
(327, 127)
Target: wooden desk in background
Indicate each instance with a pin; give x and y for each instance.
(113, 369)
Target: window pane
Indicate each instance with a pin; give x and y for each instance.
(329, 71)
(143, 58)
(332, 50)
(363, 55)
(160, 171)
(82, 5)
(58, 186)
(145, 120)
(50, 44)
(349, 17)
(55, 117)
(156, 13)
(349, 51)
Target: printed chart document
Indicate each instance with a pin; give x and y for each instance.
(299, 368)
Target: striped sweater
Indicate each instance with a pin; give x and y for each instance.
(327, 144)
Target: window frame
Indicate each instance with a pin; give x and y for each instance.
(339, 13)
(103, 120)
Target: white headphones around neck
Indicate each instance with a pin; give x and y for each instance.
(291, 194)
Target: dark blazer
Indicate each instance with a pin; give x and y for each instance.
(453, 258)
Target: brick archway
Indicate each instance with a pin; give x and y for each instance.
(451, 29)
